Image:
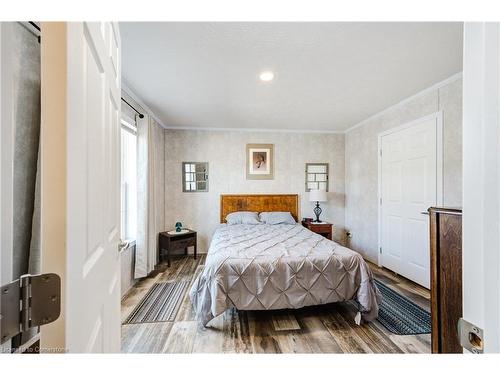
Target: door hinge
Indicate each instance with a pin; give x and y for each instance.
(380, 249)
(380, 152)
(30, 301)
(380, 201)
(471, 337)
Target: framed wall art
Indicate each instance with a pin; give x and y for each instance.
(260, 161)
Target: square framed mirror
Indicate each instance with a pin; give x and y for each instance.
(194, 177)
(316, 176)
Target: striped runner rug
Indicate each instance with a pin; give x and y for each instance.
(160, 304)
(400, 315)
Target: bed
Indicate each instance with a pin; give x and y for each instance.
(281, 266)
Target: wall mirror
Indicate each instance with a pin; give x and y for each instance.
(194, 176)
(316, 176)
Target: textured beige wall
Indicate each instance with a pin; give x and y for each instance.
(361, 147)
(225, 153)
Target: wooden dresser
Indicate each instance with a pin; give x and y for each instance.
(446, 278)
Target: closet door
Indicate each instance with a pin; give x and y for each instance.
(409, 186)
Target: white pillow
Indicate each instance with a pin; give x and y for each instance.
(242, 217)
(276, 217)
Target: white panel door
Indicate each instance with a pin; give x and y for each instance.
(93, 188)
(409, 186)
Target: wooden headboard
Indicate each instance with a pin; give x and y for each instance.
(259, 203)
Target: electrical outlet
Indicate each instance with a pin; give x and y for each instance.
(348, 234)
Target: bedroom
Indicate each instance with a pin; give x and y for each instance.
(196, 123)
(253, 187)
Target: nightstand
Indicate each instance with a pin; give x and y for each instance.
(325, 229)
(169, 242)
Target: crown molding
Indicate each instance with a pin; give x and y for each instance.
(267, 130)
(130, 92)
(138, 100)
(436, 86)
(126, 87)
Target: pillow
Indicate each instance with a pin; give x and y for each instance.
(277, 218)
(242, 217)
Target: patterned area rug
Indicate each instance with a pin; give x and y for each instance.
(160, 304)
(401, 316)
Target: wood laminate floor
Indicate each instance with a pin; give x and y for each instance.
(319, 329)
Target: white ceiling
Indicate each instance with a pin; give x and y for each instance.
(328, 76)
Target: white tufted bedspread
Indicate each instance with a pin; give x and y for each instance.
(267, 267)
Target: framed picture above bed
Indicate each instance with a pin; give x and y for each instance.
(260, 161)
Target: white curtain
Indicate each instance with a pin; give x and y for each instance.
(150, 197)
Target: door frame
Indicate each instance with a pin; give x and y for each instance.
(438, 116)
(481, 180)
(53, 145)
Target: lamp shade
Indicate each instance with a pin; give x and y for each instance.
(317, 196)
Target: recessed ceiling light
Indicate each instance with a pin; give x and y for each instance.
(266, 76)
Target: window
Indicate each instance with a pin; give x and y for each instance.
(194, 176)
(316, 176)
(128, 181)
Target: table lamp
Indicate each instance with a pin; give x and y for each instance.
(317, 196)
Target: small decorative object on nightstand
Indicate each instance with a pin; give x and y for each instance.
(178, 226)
(169, 241)
(317, 196)
(325, 229)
